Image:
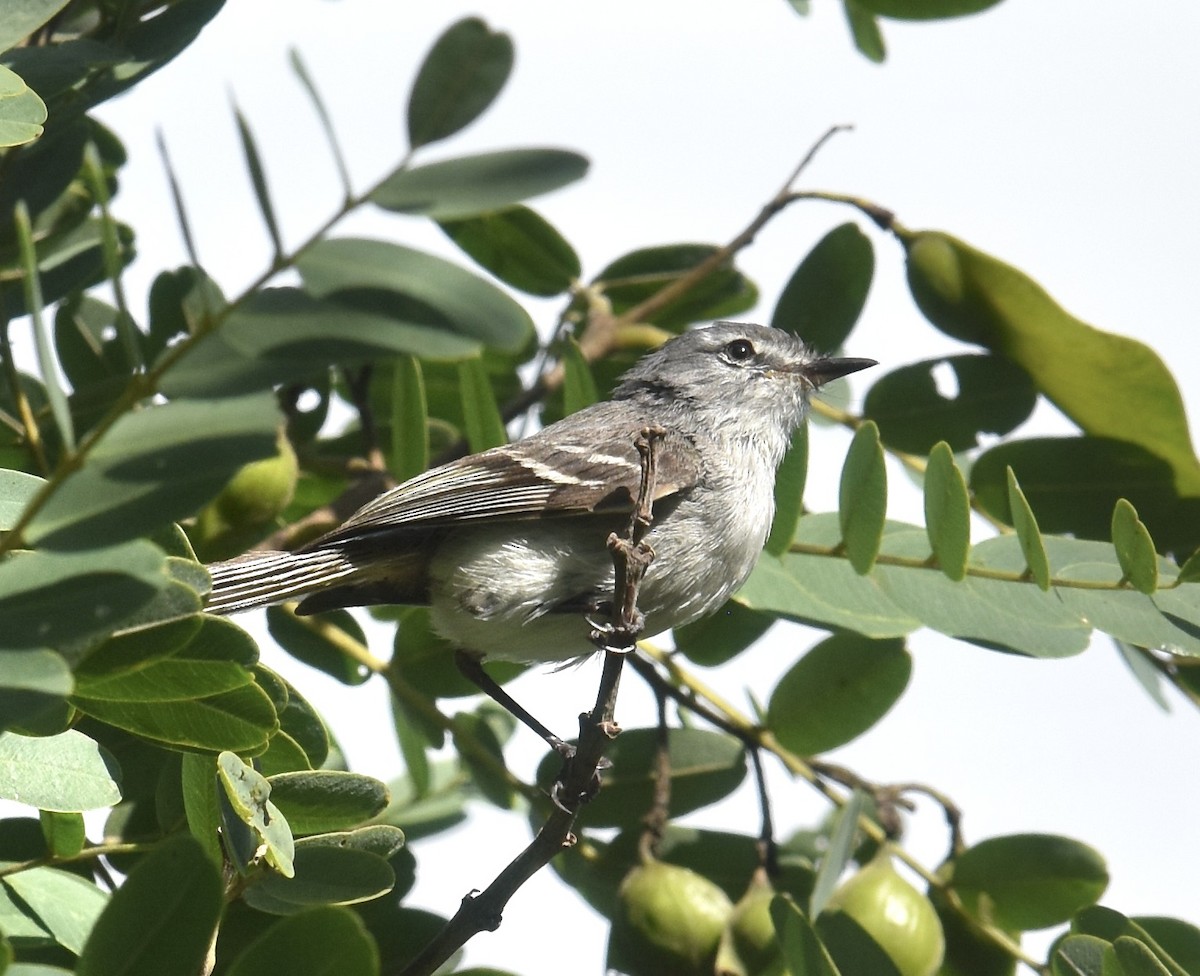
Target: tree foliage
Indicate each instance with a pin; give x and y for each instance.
(136, 448)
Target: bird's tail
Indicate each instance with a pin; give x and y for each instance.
(259, 579)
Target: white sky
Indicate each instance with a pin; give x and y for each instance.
(1062, 137)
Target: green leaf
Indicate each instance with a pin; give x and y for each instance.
(975, 297)
(825, 295)
(23, 17)
(314, 96)
(321, 800)
(409, 455)
(64, 904)
(314, 640)
(460, 77)
(283, 335)
(161, 921)
(1180, 940)
(1122, 612)
(471, 185)
(102, 588)
(947, 512)
(249, 794)
(824, 589)
(704, 767)
(242, 720)
(65, 833)
(1029, 881)
(484, 425)
(842, 843)
(35, 302)
(31, 682)
(463, 304)
(1145, 672)
(634, 277)
(579, 386)
(789, 493)
(327, 873)
(1073, 483)
(198, 784)
(22, 112)
(717, 638)
(482, 752)
(802, 949)
(991, 395)
(258, 179)
(990, 612)
(1030, 536)
(315, 942)
(1084, 955)
(862, 498)
(302, 741)
(16, 489)
(925, 9)
(68, 772)
(155, 466)
(520, 248)
(837, 691)
(864, 28)
(1135, 548)
(1113, 927)
(1137, 958)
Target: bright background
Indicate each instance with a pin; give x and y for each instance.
(1062, 137)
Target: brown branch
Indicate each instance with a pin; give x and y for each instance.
(579, 780)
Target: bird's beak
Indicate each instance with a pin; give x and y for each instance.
(822, 371)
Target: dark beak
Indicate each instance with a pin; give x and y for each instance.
(822, 371)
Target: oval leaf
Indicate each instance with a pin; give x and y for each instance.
(1135, 548)
(947, 512)
(471, 185)
(460, 77)
(66, 905)
(862, 498)
(837, 691)
(975, 297)
(464, 302)
(321, 800)
(1028, 533)
(1029, 881)
(313, 943)
(177, 886)
(68, 772)
(520, 248)
(1073, 483)
(825, 295)
(155, 466)
(790, 477)
(634, 277)
(326, 874)
(977, 394)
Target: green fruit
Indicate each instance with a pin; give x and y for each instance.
(668, 922)
(260, 490)
(254, 496)
(900, 919)
(749, 946)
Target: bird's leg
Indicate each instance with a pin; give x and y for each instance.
(471, 668)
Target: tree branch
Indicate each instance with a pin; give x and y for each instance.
(579, 780)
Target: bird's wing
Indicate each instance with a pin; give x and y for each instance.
(546, 475)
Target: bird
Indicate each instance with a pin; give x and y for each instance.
(508, 547)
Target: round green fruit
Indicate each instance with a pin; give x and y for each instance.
(749, 946)
(900, 919)
(668, 922)
(260, 490)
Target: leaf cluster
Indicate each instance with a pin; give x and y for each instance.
(138, 447)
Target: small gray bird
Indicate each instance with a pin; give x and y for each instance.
(508, 547)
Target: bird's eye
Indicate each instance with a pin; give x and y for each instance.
(739, 350)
